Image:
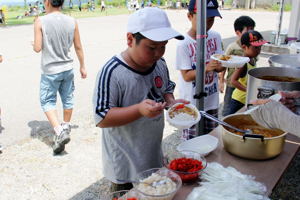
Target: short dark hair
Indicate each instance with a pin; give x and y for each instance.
(242, 22)
(138, 37)
(251, 37)
(56, 3)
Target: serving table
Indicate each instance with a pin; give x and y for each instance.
(267, 172)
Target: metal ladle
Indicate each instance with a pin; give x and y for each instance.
(246, 133)
(203, 113)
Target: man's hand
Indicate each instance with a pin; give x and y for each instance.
(150, 108)
(83, 72)
(289, 99)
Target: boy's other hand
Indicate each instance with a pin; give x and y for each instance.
(83, 72)
(150, 108)
(169, 104)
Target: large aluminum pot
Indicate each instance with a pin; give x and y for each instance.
(285, 60)
(248, 147)
(258, 88)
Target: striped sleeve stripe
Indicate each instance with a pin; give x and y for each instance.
(104, 88)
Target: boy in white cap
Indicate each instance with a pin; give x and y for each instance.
(131, 92)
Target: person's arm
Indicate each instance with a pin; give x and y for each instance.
(38, 35)
(118, 116)
(235, 78)
(273, 114)
(213, 65)
(1, 58)
(221, 77)
(79, 51)
(188, 75)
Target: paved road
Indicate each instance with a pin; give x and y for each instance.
(28, 170)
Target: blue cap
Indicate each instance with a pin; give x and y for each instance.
(211, 8)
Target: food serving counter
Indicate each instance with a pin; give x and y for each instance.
(267, 172)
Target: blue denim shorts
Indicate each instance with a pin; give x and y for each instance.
(51, 84)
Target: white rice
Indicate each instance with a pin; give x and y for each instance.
(183, 117)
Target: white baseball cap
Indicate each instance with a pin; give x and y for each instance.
(153, 23)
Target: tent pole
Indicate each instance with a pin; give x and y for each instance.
(201, 61)
(277, 38)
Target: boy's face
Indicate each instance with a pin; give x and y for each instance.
(209, 23)
(251, 51)
(193, 18)
(146, 52)
(47, 5)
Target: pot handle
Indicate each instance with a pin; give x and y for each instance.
(265, 92)
(253, 136)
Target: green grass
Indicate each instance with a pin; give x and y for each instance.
(287, 7)
(11, 15)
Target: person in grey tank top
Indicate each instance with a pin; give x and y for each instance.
(54, 35)
(131, 92)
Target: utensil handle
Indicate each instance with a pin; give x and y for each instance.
(254, 136)
(221, 122)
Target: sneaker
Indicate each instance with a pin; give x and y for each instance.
(67, 128)
(60, 141)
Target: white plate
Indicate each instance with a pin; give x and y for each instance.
(183, 124)
(203, 144)
(233, 62)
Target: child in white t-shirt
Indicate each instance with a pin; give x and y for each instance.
(186, 63)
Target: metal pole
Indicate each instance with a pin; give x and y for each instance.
(277, 41)
(201, 53)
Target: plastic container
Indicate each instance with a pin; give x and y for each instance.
(171, 184)
(186, 165)
(183, 123)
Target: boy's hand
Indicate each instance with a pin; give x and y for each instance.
(83, 72)
(150, 108)
(214, 65)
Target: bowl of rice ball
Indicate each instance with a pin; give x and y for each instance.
(183, 116)
(157, 184)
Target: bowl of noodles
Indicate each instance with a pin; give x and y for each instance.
(183, 116)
